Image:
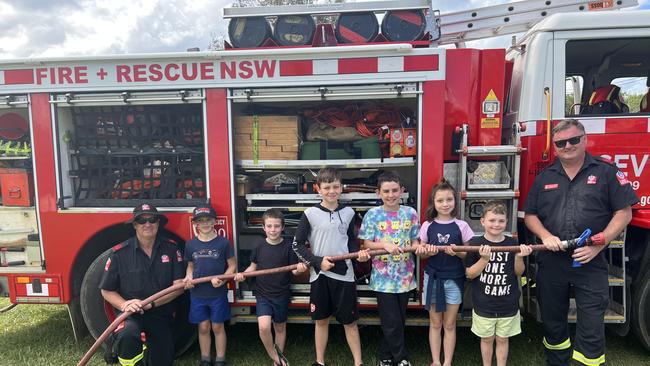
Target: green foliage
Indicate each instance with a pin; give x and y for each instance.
(633, 101)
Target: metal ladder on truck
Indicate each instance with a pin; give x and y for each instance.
(493, 175)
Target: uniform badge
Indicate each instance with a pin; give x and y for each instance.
(108, 265)
(164, 258)
(592, 179)
(179, 257)
(622, 179)
(551, 186)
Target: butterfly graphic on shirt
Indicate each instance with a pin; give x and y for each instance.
(443, 239)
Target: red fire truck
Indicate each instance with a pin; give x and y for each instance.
(85, 139)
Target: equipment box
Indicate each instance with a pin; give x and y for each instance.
(16, 186)
(277, 137)
(367, 148)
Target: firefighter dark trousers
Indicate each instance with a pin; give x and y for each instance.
(158, 348)
(591, 291)
(392, 315)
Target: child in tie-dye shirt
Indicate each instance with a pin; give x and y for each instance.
(391, 227)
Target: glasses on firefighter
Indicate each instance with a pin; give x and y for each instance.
(143, 220)
(573, 141)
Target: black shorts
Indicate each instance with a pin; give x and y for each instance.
(333, 297)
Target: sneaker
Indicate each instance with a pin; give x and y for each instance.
(219, 363)
(386, 363)
(205, 363)
(317, 364)
(404, 363)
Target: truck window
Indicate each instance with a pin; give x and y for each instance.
(614, 73)
(632, 91)
(572, 95)
(114, 153)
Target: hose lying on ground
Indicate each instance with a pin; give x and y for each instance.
(567, 244)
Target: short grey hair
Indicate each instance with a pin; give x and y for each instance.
(566, 124)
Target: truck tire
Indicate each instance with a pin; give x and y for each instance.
(95, 314)
(641, 310)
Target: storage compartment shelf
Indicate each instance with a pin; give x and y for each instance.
(317, 164)
(15, 157)
(314, 197)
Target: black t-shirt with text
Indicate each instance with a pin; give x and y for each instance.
(495, 292)
(267, 256)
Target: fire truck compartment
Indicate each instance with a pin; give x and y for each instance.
(282, 137)
(117, 149)
(20, 248)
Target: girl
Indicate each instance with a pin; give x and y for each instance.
(444, 273)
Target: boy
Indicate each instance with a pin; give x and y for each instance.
(495, 291)
(272, 292)
(207, 255)
(329, 227)
(391, 227)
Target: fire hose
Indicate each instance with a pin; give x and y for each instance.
(566, 244)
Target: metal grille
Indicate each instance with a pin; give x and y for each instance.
(125, 153)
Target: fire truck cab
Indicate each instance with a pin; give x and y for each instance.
(85, 139)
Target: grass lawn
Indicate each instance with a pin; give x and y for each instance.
(42, 335)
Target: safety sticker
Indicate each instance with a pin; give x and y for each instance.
(494, 122)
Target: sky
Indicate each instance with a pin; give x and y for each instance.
(43, 28)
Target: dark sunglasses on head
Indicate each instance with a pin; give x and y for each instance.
(573, 141)
(144, 220)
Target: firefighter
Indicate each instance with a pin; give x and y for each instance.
(135, 270)
(576, 192)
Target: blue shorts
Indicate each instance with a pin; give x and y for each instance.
(215, 309)
(453, 294)
(275, 307)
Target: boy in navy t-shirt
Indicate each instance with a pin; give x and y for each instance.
(495, 291)
(207, 255)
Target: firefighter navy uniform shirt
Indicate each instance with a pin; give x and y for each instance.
(567, 207)
(209, 259)
(495, 292)
(134, 275)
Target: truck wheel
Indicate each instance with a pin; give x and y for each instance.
(641, 310)
(96, 312)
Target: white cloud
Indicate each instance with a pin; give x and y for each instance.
(39, 28)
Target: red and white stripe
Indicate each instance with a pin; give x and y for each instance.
(360, 65)
(597, 126)
(17, 77)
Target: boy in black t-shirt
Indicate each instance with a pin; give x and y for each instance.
(272, 292)
(495, 291)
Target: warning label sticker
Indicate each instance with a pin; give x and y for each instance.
(491, 122)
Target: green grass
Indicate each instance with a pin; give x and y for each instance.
(42, 335)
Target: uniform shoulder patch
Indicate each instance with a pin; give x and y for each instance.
(622, 178)
(118, 247)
